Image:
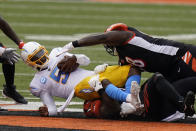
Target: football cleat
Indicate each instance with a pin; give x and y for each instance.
(1, 109)
(189, 104)
(135, 89)
(13, 94)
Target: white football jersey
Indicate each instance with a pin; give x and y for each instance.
(53, 82)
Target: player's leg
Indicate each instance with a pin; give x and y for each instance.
(168, 91)
(110, 108)
(151, 100)
(10, 89)
(184, 86)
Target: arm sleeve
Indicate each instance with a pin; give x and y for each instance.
(48, 100)
(116, 93)
(136, 78)
(8, 31)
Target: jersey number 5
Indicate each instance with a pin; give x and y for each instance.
(59, 76)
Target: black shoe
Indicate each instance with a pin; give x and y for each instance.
(13, 94)
(189, 102)
(1, 109)
(157, 76)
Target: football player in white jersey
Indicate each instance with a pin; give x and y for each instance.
(49, 81)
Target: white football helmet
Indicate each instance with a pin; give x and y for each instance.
(35, 55)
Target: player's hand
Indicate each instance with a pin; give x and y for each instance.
(66, 48)
(10, 55)
(127, 108)
(100, 68)
(43, 110)
(68, 64)
(95, 83)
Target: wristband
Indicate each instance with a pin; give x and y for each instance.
(21, 45)
(75, 44)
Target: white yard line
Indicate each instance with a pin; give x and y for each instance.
(78, 36)
(36, 105)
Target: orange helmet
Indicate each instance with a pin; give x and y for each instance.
(92, 108)
(117, 26)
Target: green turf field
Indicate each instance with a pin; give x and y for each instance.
(50, 21)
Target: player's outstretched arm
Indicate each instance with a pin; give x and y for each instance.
(49, 108)
(112, 38)
(6, 28)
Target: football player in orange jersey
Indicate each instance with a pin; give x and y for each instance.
(175, 60)
(162, 101)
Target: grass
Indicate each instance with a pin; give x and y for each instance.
(69, 18)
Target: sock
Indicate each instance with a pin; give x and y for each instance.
(8, 71)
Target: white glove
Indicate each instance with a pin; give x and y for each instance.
(100, 68)
(66, 48)
(10, 55)
(95, 83)
(127, 108)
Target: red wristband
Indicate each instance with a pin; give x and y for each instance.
(21, 45)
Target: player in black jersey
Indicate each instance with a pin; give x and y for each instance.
(175, 60)
(8, 57)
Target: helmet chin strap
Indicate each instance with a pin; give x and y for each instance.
(41, 69)
(44, 67)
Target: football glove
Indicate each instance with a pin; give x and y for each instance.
(10, 55)
(68, 64)
(66, 48)
(127, 108)
(100, 68)
(95, 83)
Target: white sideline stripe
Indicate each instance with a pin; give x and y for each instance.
(36, 105)
(42, 25)
(78, 36)
(28, 98)
(40, 103)
(56, 37)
